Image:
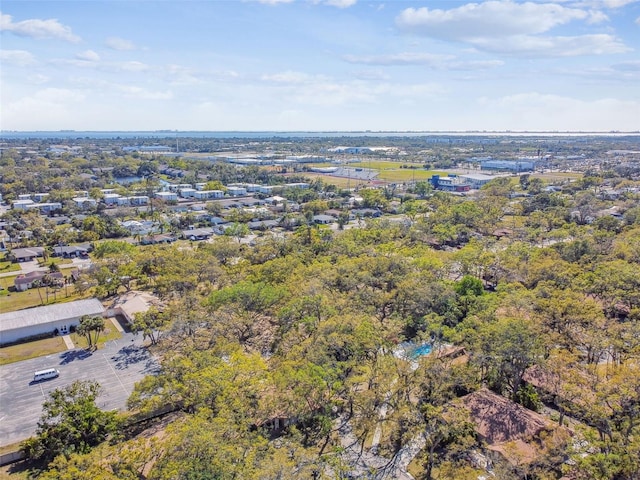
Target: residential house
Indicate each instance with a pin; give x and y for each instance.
(22, 204)
(26, 254)
(84, 202)
(25, 281)
(207, 194)
(515, 432)
(111, 198)
(138, 200)
(167, 196)
(323, 219)
(71, 251)
(197, 234)
(187, 192)
(236, 191)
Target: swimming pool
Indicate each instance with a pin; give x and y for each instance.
(419, 351)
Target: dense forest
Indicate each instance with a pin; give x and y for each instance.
(274, 353)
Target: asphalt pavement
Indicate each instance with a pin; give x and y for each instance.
(117, 367)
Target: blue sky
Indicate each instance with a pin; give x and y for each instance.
(320, 65)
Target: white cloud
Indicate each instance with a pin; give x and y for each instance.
(537, 111)
(291, 78)
(338, 3)
(436, 61)
(404, 58)
(129, 66)
(529, 45)
(88, 56)
(504, 26)
(632, 66)
(42, 110)
(100, 87)
(38, 79)
(21, 58)
(492, 18)
(610, 4)
(36, 28)
(638, 21)
(274, 2)
(117, 43)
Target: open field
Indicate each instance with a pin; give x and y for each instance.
(557, 176)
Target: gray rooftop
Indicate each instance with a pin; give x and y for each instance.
(49, 313)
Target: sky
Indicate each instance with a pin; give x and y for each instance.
(320, 65)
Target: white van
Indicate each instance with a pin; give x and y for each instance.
(45, 374)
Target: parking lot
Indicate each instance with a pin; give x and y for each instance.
(116, 366)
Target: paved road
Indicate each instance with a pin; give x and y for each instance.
(116, 367)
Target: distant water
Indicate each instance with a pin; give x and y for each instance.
(78, 134)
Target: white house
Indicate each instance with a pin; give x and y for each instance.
(236, 191)
(138, 200)
(22, 324)
(187, 192)
(208, 194)
(176, 187)
(268, 189)
(84, 202)
(111, 198)
(22, 204)
(38, 197)
(46, 207)
(167, 196)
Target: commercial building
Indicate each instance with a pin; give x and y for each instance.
(510, 165)
(60, 317)
(450, 183)
(477, 180)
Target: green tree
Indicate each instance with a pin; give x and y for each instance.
(71, 422)
(151, 323)
(91, 327)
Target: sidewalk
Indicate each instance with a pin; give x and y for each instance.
(68, 342)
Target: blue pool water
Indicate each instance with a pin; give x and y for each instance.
(420, 350)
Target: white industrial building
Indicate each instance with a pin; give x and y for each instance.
(477, 180)
(22, 324)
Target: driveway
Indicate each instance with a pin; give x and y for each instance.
(117, 367)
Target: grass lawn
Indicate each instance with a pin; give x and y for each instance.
(55, 260)
(37, 348)
(10, 301)
(110, 333)
(6, 266)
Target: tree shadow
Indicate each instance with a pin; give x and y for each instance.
(77, 354)
(132, 355)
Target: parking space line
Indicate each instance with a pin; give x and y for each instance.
(115, 373)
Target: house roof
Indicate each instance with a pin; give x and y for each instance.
(49, 313)
(70, 249)
(499, 420)
(27, 252)
(33, 276)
